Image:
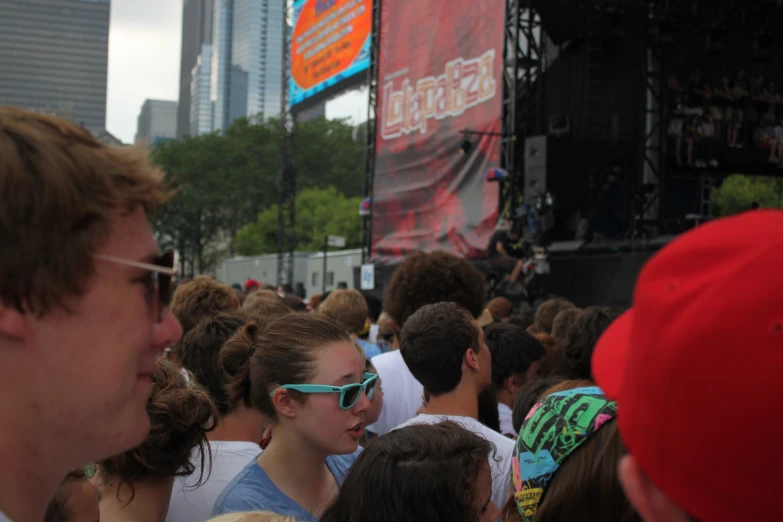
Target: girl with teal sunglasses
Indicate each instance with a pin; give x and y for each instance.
(303, 373)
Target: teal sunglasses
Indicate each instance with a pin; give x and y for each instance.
(349, 393)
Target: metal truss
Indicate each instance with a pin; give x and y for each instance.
(370, 134)
(524, 63)
(286, 185)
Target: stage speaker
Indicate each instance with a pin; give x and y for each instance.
(554, 166)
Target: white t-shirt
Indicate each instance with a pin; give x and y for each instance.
(189, 504)
(506, 420)
(401, 392)
(500, 464)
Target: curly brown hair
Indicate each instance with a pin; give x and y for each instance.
(181, 414)
(201, 298)
(429, 278)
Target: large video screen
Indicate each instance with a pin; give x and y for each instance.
(440, 72)
(330, 47)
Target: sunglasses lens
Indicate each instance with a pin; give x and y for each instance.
(350, 396)
(370, 390)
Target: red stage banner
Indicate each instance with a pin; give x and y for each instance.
(440, 72)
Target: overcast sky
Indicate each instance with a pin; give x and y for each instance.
(144, 56)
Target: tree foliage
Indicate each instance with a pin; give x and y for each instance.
(227, 181)
(319, 213)
(738, 192)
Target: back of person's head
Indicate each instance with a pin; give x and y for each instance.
(435, 342)
(514, 352)
(500, 308)
(374, 307)
(201, 349)
(240, 295)
(347, 307)
(528, 395)
(76, 500)
(259, 358)
(60, 188)
(294, 303)
(581, 483)
(436, 473)
(253, 516)
(429, 278)
(265, 305)
(201, 298)
(181, 414)
(523, 319)
(577, 350)
(564, 324)
(546, 313)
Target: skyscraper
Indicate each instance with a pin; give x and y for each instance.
(248, 76)
(157, 119)
(196, 31)
(200, 103)
(54, 57)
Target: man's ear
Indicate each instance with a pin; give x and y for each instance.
(284, 404)
(471, 359)
(649, 501)
(12, 321)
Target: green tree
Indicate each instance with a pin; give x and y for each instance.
(319, 212)
(226, 181)
(738, 192)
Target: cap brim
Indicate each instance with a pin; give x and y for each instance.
(609, 357)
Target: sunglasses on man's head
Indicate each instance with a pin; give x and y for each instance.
(349, 394)
(162, 274)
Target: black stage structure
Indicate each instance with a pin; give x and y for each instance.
(586, 118)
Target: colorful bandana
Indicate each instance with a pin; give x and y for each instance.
(552, 430)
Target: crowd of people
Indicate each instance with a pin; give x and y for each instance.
(731, 111)
(129, 396)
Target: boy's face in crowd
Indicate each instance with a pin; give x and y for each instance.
(90, 365)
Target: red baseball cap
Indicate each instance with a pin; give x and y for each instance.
(695, 367)
(251, 283)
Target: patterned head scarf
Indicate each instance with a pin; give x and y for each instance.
(553, 429)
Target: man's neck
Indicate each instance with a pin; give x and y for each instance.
(462, 402)
(241, 425)
(150, 500)
(30, 469)
(505, 397)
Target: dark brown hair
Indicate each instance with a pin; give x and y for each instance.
(529, 394)
(201, 349)
(347, 307)
(513, 351)
(429, 278)
(258, 358)
(546, 313)
(577, 351)
(59, 190)
(421, 472)
(181, 413)
(265, 305)
(586, 487)
(433, 343)
(563, 324)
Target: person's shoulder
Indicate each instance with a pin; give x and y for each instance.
(387, 360)
(242, 492)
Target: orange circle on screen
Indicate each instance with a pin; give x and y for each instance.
(311, 66)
